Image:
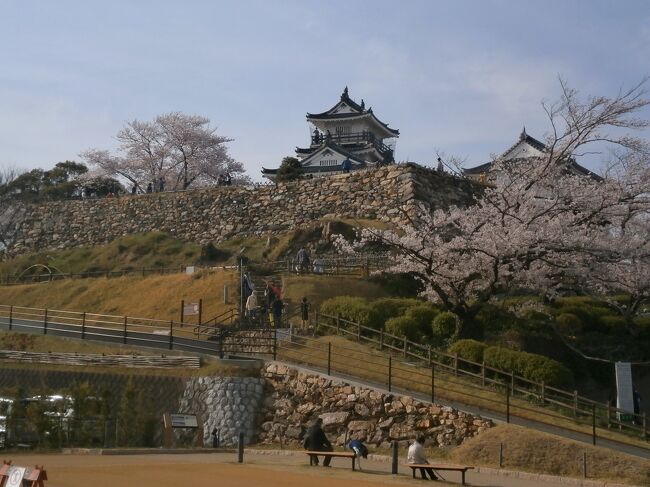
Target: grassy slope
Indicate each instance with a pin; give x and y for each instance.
(532, 451)
(150, 297)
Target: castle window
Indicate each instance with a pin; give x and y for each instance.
(328, 162)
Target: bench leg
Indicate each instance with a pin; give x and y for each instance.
(462, 477)
(413, 470)
(353, 460)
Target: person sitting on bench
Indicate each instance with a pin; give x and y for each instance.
(315, 440)
(417, 456)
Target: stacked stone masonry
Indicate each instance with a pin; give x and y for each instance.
(216, 214)
(295, 399)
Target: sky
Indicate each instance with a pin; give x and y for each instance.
(458, 77)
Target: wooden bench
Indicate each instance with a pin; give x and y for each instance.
(332, 454)
(454, 468)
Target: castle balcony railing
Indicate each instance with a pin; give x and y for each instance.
(354, 138)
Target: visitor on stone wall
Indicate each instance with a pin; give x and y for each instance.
(227, 180)
(215, 438)
(150, 188)
(161, 185)
(636, 401)
(416, 456)
(304, 312)
(303, 260)
(346, 165)
(315, 440)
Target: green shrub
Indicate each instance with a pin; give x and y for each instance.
(495, 318)
(528, 365)
(613, 323)
(443, 326)
(348, 308)
(386, 308)
(569, 323)
(469, 350)
(423, 314)
(404, 326)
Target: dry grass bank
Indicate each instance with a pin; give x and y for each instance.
(156, 297)
(529, 450)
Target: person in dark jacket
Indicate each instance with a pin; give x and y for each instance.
(315, 440)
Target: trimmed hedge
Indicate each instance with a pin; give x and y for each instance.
(349, 308)
(443, 326)
(404, 326)
(528, 365)
(469, 350)
(385, 308)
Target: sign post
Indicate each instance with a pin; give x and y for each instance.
(624, 390)
(184, 421)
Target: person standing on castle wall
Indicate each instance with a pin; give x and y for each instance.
(150, 188)
(440, 168)
(227, 180)
(161, 185)
(346, 165)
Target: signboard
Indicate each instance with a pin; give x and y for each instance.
(189, 270)
(624, 390)
(15, 477)
(184, 421)
(190, 309)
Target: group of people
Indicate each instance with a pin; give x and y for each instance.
(224, 180)
(316, 440)
(273, 304)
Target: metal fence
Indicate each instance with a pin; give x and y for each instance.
(549, 402)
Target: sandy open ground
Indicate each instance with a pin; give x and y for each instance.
(222, 469)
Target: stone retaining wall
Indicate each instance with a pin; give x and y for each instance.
(294, 399)
(216, 214)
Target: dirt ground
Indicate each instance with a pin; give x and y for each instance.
(180, 470)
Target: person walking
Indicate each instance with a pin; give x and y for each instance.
(316, 440)
(251, 307)
(303, 260)
(276, 309)
(416, 456)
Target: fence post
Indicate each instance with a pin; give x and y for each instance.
(225, 294)
(609, 414)
(584, 464)
(182, 310)
(393, 468)
(575, 404)
(240, 448)
(500, 455)
(390, 372)
(429, 355)
(358, 332)
(404, 347)
(456, 364)
(11, 316)
(507, 404)
(338, 323)
(125, 321)
(171, 335)
(275, 343)
(643, 423)
(543, 393)
(512, 382)
(83, 325)
(381, 339)
(329, 358)
(593, 424)
(45, 322)
(433, 382)
(483, 373)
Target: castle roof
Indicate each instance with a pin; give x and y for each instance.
(348, 109)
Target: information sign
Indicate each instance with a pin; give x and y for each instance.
(15, 477)
(624, 390)
(190, 309)
(184, 421)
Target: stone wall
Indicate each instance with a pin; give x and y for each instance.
(217, 214)
(294, 399)
(229, 404)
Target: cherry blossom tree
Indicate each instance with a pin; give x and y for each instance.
(178, 149)
(543, 223)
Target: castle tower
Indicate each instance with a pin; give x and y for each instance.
(347, 136)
